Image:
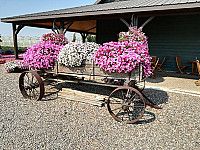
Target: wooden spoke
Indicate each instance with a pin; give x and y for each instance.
(126, 104)
(31, 85)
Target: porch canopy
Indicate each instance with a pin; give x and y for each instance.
(84, 19)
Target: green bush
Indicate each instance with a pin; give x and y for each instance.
(91, 38)
(10, 47)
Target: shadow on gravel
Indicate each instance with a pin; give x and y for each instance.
(51, 91)
(157, 97)
(148, 117)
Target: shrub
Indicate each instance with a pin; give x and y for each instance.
(91, 38)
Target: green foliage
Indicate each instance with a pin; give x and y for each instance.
(74, 38)
(91, 38)
(10, 47)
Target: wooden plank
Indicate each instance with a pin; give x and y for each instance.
(90, 71)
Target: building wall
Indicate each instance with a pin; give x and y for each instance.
(108, 30)
(174, 36)
(168, 36)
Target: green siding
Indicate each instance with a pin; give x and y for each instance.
(108, 30)
(172, 36)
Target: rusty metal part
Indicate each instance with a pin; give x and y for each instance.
(151, 104)
(28, 89)
(128, 103)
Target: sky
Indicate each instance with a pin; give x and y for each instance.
(9, 8)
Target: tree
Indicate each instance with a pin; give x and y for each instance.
(74, 38)
(91, 38)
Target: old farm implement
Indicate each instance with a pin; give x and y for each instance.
(126, 103)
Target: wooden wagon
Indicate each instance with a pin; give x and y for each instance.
(126, 103)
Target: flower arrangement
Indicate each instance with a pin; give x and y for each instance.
(74, 54)
(58, 39)
(11, 65)
(124, 55)
(43, 54)
(133, 34)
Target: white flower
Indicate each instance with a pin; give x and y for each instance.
(73, 54)
(10, 65)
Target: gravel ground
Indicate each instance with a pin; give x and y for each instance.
(56, 123)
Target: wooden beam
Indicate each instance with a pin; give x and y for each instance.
(16, 30)
(19, 28)
(90, 29)
(15, 40)
(135, 20)
(61, 30)
(84, 36)
(55, 27)
(147, 21)
(67, 27)
(125, 22)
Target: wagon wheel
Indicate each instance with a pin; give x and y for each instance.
(126, 104)
(31, 85)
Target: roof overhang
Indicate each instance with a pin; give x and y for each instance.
(103, 12)
(86, 21)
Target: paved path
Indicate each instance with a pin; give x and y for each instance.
(56, 123)
(175, 82)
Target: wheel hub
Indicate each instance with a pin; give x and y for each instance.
(125, 106)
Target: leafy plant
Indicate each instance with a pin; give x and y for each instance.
(74, 37)
(11, 47)
(91, 38)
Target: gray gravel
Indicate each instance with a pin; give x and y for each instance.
(56, 123)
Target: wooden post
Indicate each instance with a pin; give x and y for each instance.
(15, 40)
(135, 21)
(84, 36)
(68, 25)
(15, 32)
(61, 31)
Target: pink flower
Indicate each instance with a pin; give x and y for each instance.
(126, 54)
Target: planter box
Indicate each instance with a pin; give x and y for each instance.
(91, 69)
